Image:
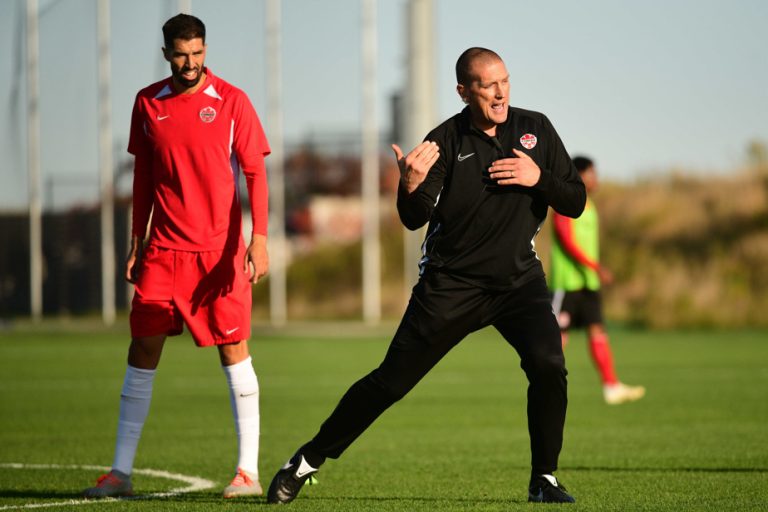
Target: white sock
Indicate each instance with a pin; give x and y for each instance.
(134, 407)
(244, 397)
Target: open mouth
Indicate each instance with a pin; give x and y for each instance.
(498, 108)
(189, 74)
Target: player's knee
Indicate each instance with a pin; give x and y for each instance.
(545, 366)
(144, 353)
(233, 353)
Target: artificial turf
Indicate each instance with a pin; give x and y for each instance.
(458, 441)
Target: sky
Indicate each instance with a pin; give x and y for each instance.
(645, 88)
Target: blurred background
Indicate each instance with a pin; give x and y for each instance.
(670, 98)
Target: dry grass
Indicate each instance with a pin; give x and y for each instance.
(688, 251)
(685, 251)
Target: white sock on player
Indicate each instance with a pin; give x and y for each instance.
(134, 407)
(244, 397)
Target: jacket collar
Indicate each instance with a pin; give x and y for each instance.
(465, 120)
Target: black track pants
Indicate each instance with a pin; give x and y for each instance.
(443, 311)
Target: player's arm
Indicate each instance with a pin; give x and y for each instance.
(250, 146)
(564, 233)
(257, 258)
(143, 197)
(143, 188)
(422, 172)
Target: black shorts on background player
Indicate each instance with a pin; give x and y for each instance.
(584, 307)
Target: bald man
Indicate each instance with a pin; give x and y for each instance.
(484, 180)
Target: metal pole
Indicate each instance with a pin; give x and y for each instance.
(33, 165)
(370, 170)
(106, 171)
(185, 6)
(277, 244)
(419, 108)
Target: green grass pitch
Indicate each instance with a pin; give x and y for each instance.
(698, 441)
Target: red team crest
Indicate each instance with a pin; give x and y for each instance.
(208, 114)
(528, 141)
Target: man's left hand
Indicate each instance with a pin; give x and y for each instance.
(516, 171)
(256, 258)
(605, 275)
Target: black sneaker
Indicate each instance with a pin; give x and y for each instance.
(542, 490)
(290, 479)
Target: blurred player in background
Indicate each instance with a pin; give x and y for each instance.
(191, 135)
(575, 278)
(484, 180)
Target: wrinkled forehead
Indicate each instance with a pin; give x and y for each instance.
(486, 68)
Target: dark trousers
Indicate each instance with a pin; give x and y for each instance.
(443, 311)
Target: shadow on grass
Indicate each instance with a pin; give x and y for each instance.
(215, 497)
(40, 494)
(666, 470)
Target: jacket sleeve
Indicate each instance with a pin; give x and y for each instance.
(415, 209)
(560, 183)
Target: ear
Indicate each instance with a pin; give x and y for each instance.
(166, 54)
(462, 93)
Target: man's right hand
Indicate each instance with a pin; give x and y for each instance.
(133, 260)
(415, 166)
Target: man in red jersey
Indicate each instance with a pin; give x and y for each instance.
(191, 135)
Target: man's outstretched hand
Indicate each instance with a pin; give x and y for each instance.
(416, 164)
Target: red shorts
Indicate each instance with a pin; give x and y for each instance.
(209, 291)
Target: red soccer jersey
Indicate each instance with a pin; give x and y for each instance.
(190, 149)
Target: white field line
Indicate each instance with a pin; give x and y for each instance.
(194, 483)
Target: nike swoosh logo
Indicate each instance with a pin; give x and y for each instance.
(230, 331)
(304, 468)
(461, 157)
(244, 395)
(160, 118)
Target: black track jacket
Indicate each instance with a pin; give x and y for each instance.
(478, 231)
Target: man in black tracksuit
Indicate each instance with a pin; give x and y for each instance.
(483, 180)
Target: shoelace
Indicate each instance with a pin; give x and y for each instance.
(242, 479)
(108, 478)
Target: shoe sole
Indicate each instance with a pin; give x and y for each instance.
(237, 494)
(103, 496)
